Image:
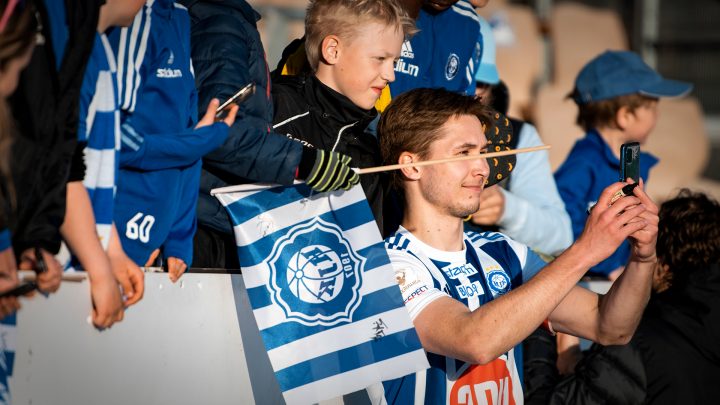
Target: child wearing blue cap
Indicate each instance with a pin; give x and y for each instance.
(617, 96)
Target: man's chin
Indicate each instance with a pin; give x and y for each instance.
(464, 212)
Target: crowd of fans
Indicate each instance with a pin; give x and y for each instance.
(110, 143)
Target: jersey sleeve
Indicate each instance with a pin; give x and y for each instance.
(417, 287)
(530, 262)
(169, 150)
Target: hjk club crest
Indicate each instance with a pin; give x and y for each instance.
(315, 276)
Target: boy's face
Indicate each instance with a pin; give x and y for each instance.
(365, 64)
(454, 188)
(641, 122)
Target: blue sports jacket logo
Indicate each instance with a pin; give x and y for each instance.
(315, 275)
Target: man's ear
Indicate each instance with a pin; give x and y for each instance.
(410, 173)
(330, 48)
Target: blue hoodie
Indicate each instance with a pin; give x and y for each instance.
(161, 151)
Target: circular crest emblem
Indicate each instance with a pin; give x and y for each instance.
(315, 276)
(452, 66)
(499, 281)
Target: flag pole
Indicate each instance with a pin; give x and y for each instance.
(377, 169)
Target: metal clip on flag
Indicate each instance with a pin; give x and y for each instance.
(322, 290)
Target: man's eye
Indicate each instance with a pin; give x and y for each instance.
(464, 152)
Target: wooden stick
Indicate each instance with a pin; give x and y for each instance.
(449, 160)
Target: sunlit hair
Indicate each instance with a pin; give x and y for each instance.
(344, 17)
(603, 113)
(689, 234)
(18, 35)
(413, 120)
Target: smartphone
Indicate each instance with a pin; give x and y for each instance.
(630, 161)
(237, 98)
(21, 289)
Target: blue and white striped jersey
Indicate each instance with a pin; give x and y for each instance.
(490, 265)
(443, 54)
(99, 126)
(161, 151)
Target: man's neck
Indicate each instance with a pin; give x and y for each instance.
(441, 231)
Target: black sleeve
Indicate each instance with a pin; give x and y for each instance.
(606, 375)
(540, 372)
(45, 106)
(77, 164)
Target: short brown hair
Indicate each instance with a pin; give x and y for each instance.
(601, 114)
(688, 234)
(343, 17)
(412, 122)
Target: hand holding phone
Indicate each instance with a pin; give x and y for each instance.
(629, 169)
(238, 98)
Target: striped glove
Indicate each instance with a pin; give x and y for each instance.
(326, 171)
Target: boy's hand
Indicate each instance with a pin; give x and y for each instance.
(151, 259)
(126, 272)
(107, 302)
(326, 171)
(130, 277)
(209, 117)
(176, 268)
(49, 280)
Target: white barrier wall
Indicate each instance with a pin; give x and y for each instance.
(194, 342)
(182, 344)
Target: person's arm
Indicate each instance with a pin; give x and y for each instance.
(130, 277)
(534, 213)
(173, 150)
(221, 60)
(449, 328)
(613, 317)
(79, 232)
(178, 246)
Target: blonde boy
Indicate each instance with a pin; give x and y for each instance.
(351, 47)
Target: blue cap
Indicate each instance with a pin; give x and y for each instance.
(618, 73)
(487, 70)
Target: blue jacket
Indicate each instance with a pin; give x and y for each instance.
(160, 148)
(443, 54)
(228, 54)
(589, 168)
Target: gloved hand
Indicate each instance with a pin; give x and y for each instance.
(326, 171)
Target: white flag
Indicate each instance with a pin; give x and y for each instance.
(322, 290)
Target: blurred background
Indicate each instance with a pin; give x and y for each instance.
(542, 44)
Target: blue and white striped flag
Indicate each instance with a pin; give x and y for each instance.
(322, 290)
(8, 334)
